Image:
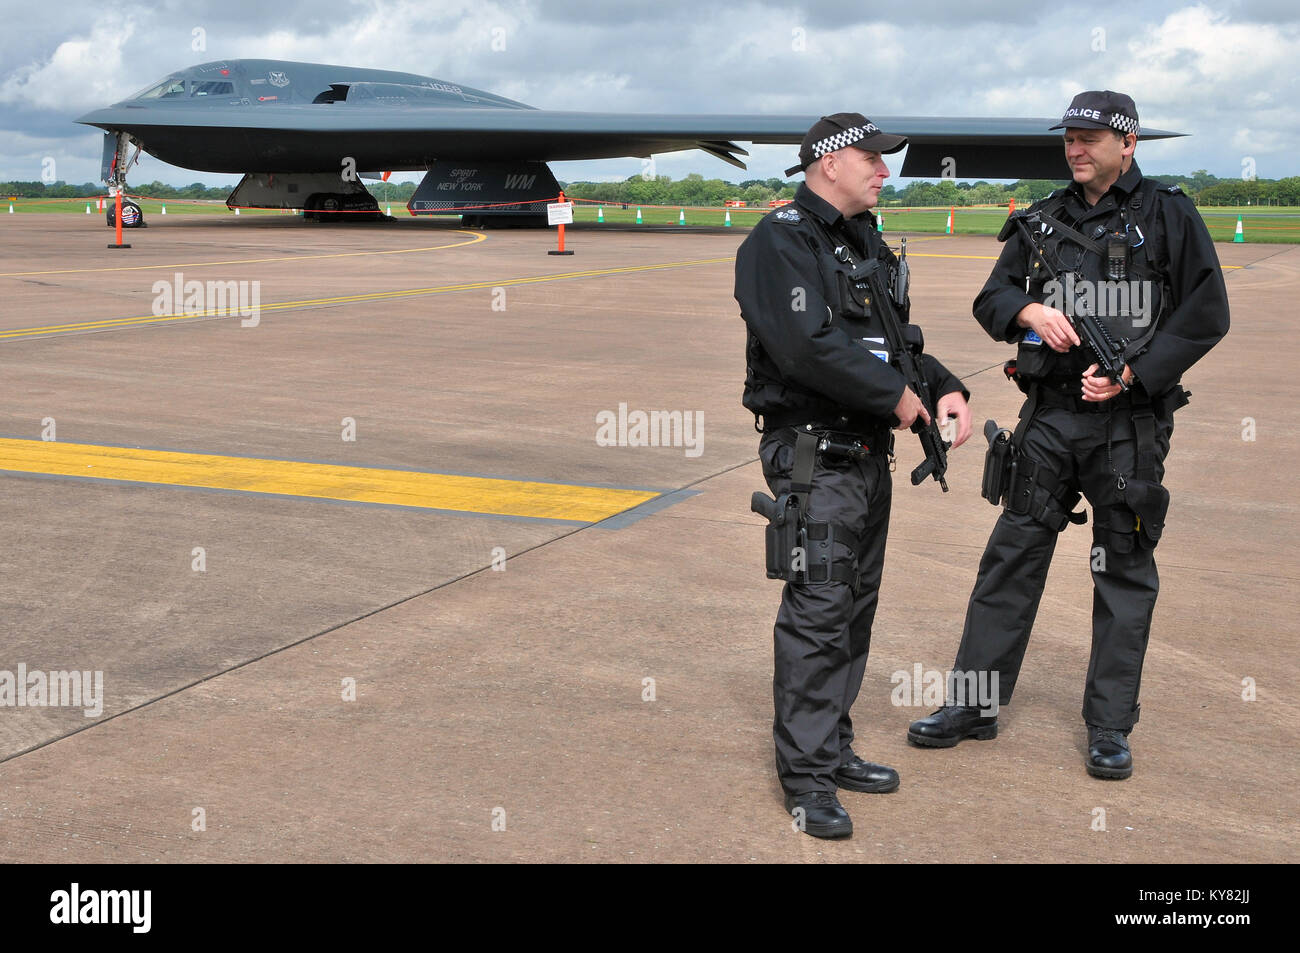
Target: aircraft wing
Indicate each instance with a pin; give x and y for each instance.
(285, 137)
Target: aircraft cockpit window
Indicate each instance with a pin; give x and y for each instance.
(167, 89)
(211, 88)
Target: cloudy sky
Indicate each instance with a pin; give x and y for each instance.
(1223, 70)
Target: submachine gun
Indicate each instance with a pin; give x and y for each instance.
(905, 344)
(1109, 352)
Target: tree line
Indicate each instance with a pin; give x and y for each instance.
(62, 190)
(1204, 188)
(695, 190)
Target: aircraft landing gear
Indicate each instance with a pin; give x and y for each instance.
(341, 206)
(132, 215)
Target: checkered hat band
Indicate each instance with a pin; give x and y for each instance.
(1123, 123)
(841, 139)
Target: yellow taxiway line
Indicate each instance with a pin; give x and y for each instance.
(438, 491)
(149, 319)
(474, 239)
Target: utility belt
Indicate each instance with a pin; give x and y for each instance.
(800, 549)
(876, 436)
(1066, 394)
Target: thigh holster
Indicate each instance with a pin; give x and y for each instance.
(1038, 492)
(999, 464)
(1022, 485)
(800, 549)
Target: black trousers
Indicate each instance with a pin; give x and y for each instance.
(823, 631)
(1014, 567)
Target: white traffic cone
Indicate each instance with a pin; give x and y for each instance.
(236, 209)
(87, 208)
(638, 216)
(728, 221)
(880, 222)
(600, 213)
(1240, 236)
(681, 217)
(164, 210)
(389, 213)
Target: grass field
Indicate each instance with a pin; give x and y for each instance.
(1270, 226)
(150, 207)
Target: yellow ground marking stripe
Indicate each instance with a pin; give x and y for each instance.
(320, 480)
(475, 238)
(109, 323)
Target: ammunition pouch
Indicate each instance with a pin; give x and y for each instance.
(1034, 360)
(1138, 521)
(1173, 399)
(1011, 371)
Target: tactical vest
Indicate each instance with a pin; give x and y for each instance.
(850, 301)
(1113, 268)
(850, 309)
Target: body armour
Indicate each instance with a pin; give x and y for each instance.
(816, 350)
(1109, 267)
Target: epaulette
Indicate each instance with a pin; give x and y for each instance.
(787, 213)
(1154, 188)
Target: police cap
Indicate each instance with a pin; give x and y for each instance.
(839, 131)
(1101, 109)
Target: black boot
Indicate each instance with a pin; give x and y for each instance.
(866, 777)
(1108, 754)
(950, 724)
(822, 814)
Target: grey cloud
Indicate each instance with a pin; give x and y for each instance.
(1261, 11)
(920, 58)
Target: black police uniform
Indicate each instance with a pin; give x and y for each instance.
(811, 366)
(1108, 451)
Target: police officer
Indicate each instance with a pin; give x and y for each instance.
(1110, 235)
(818, 376)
